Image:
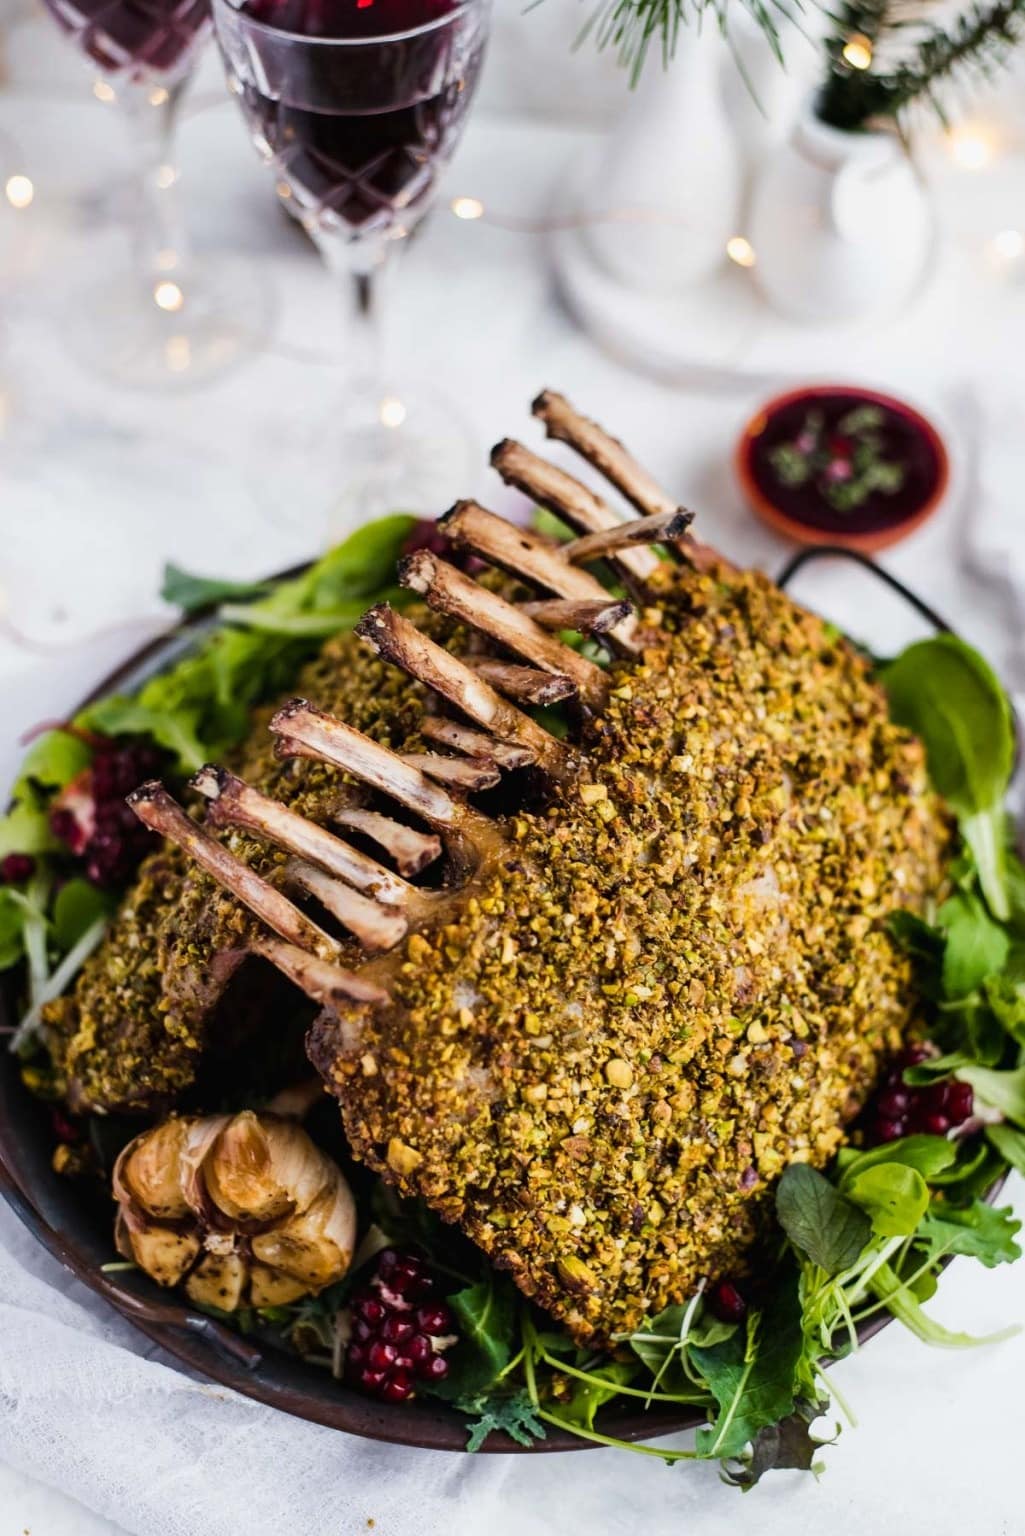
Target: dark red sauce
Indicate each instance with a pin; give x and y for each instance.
(810, 465)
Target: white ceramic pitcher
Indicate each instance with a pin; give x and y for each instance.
(840, 223)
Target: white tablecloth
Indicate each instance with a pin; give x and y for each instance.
(87, 1411)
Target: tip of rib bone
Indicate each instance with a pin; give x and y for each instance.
(462, 772)
(208, 781)
(375, 927)
(476, 744)
(410, 850)
(587, 618)
(327, 984)
(159, 811)
(658, 528)
(524, 684)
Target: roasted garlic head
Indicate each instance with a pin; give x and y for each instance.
(243, 1210)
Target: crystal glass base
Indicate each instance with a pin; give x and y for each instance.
(405, 448)
(174, 331)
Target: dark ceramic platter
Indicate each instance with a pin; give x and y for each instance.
(79, 1233)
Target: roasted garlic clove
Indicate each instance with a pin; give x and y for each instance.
(242, 1209)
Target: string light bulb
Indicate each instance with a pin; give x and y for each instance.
(740, 251)
(168, 297)
(467, 207)
(19, 191)
(857, 51)
(392, 412)
(104, 92)
(971, 146)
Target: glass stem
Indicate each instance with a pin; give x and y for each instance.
(362, 271)
(161, 248)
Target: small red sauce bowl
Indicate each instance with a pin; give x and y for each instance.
(802, 511)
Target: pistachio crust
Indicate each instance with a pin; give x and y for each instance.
(655, 991)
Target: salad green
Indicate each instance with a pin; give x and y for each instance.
(866, 1239)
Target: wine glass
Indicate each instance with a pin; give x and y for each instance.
(356, 106)
(171, 319)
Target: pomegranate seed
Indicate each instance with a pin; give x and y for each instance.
(434, 1319)
(64, 826)
(381, 1356)
(398, 1388)
(887, 1130)
(16, 868)
(393, 1345)
(726, 1302)
(936, 1124)
(434, 1369)
(960, 1102)
(368, 1307)
(893, 1103)
(420, 1348)
(396, 1330)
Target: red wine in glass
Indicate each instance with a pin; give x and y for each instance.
(357, 133)
(135, 39)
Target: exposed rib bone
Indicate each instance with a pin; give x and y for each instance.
(525, 684)
(400, 642)
(578, 506)
(586, 618)
(465, 773)
(450, 591)
(157, 810)
(602, 450)
(412, 851)
(236, 804)
(309, 732)
(663, 527)
(609, 456)
(474, 743)
(326, 984)
(375, 927)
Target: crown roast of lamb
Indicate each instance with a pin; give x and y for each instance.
(587, 994)
(242, 1209)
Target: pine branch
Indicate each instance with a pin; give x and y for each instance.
(979, 41)
(633, 27)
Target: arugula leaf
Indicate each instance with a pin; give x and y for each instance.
(927, 1155)
(588, 1396)
(362, 565)
(77, 906)
(752, 1375)
(894, 1196)
(950, 697)
(486, 1314)
(820, 1221)
(978, 1231)
(788, 1445)
(660, 1343)
(999, 1090)
(12, 926)
(26, 827)
(1010, 1143)
(512, 1413)
(191, 593)
(976, 946)
(55, 758)
(890, 1288)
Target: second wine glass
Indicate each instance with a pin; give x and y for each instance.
(357, 105)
